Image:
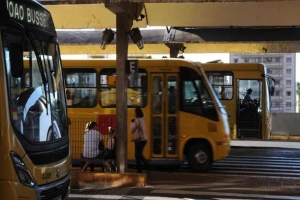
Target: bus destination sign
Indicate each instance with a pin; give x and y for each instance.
(29, 14)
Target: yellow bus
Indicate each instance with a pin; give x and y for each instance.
(190, 123)
(248, 120)
(35, 153)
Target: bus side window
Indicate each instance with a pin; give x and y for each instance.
(222, 83)
(81, 87)
(136, 88)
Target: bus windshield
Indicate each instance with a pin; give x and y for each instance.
(37, 101)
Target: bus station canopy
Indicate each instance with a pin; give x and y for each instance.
(79, 14)
(235, 25)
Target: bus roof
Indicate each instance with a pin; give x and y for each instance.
(233, 66)
(94, 62)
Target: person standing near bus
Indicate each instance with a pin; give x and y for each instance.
(139, 123)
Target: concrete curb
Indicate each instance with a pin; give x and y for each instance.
(96, 180)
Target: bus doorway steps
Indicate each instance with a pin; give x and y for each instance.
(250, 133)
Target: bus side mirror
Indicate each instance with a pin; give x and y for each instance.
(16, 60)
(272, 90)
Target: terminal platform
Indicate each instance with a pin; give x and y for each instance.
(100, 180)
(268, 143)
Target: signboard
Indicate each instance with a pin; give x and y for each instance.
(132, 66)
(30, 13)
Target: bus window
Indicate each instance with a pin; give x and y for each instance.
(81, 87)
(172, 89)
(136, 88)
(172, 117)
(222, 83)
(157, 94)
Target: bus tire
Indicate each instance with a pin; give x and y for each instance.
(199, 157)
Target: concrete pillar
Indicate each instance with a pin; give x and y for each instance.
(123, 26)
(175, 48)
(125, 14)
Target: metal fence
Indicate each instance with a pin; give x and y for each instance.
(77, 129)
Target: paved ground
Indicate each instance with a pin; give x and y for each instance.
(269, 143)
(267, 173)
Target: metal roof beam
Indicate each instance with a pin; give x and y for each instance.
(55, 2)
(211, 47)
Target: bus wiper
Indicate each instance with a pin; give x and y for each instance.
(39, 61)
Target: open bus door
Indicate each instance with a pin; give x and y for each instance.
(249, 115)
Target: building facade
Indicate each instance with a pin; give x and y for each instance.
(282, 67)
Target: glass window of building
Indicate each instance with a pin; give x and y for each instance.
(288, 93)
(277, 59)
(288, 60)
(288, 82)
(268, 60)
(288, 71)
(288, 104)
(269, 71)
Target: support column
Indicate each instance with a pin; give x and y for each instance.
(125, 14)
(175, 48)
(123, 26)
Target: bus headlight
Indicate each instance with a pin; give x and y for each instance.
(22, 172)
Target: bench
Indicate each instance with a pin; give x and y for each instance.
(99, 162)
(93, 162)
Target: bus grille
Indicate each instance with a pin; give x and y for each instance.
(55, 192)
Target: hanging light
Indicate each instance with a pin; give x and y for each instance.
(107, 37)
(136, 37)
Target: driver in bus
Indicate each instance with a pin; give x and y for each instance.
(248, 97)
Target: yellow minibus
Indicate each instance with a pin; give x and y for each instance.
(184, 118)
(231, 82)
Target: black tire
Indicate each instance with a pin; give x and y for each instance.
(199, 157)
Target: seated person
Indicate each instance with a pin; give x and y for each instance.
(248, 97)
(92, 141)
(110, 151)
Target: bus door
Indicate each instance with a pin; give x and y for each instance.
(249, 115)
(164, 115)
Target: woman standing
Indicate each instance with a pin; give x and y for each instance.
(139, 123)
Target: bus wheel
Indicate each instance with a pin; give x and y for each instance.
(199, 157)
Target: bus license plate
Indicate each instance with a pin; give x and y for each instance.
(57, 198)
